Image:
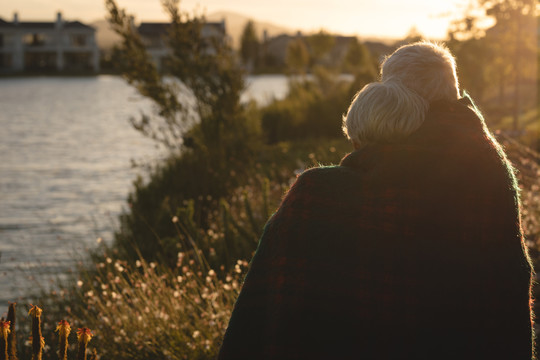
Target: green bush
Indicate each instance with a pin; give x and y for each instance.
(312, 109)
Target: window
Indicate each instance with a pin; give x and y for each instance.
(34, 39)
(78, 40)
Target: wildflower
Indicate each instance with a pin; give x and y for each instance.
(79, 283)
(83, 336)
(63, 329)
(152, 265)
(4, 332)
(211, 273)
(119, 267)
(12, 337)
(109, 260)
(138, 263)
(174, 219)
(99, 240)
(196, 334)
(37, 345)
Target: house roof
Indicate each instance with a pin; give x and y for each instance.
(153, 29)
(5, 24)
(44, 25)
(77, 25)
(160, 28)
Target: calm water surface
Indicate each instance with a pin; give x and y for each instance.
(66, 148)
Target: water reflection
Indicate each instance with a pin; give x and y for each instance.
(65, 152)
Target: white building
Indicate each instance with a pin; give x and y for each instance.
(153, 35)
(47, 46)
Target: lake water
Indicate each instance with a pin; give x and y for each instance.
(66, 148)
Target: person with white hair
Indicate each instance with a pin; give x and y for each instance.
(411, 248)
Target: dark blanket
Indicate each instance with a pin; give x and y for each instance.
(410, 250)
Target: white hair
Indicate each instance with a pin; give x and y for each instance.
(384, 112)
(411, 77)
(425, 67)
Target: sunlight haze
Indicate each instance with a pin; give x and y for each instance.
(383, 18)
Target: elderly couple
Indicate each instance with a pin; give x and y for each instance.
(411, 248)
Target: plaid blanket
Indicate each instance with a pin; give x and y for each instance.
(410, 250)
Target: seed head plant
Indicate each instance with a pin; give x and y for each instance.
(4, 332)
(63, 330)
(38, 342)
(83, 336)
(12, 338)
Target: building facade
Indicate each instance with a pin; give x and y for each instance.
(154, 34)
(62, 46)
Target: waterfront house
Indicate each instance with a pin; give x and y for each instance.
(55, 46)
(153, 36)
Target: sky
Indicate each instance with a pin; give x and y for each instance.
(381, 18)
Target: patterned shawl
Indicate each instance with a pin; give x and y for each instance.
(409, 250)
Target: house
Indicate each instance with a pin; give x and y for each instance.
(61, 46)
(275, 49)
(153, 36)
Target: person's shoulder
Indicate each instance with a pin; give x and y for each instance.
(321, 180)
(323, 174)
(460, 112)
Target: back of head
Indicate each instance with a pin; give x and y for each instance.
(384, 112)
(427, 68)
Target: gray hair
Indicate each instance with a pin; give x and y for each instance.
(386, 112)
(425, 67)
(411, 77)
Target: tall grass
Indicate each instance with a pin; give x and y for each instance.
(150, 311)
(141, 309)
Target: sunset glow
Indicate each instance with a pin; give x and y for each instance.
(384, 18)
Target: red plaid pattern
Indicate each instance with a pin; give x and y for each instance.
(410, 250)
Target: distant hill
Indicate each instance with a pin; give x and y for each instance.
(236, 22)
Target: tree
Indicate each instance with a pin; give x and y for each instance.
(207, 80)
(358, 59)
(297, 57)
(513, 40)
(502, 57)
(320, 44)
(249, 46)
(211, 137)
